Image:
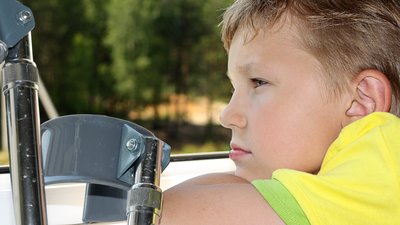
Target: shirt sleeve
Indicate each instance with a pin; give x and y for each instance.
(282, 201)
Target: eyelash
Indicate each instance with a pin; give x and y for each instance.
(257, 82)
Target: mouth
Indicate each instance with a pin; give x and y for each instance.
(237, 152)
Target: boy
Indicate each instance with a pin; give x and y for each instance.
(312, 138)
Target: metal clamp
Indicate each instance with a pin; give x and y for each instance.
(111, 155)
(16, 21)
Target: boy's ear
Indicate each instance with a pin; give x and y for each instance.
(371, 91)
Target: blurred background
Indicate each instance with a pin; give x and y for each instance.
(158, 63)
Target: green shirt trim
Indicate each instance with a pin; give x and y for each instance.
(283, 203)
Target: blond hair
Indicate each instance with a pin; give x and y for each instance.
(346, 36)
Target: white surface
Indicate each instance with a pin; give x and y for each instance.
(65, 201)
(6, 210)
(178, 172)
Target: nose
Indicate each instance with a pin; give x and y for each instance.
(234, 114)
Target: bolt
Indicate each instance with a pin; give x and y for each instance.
(25, 16)
(132, 144)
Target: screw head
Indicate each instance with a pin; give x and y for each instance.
(25, 16)
(132, 144)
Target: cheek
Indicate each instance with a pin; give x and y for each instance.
(291, 132)
(286, 117)
(270, 131)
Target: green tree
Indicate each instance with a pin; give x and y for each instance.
(70, 54)
(135, 62)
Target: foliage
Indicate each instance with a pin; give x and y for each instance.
(117, 56)
(70, 55)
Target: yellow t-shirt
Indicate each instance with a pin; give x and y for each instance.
(359, 180)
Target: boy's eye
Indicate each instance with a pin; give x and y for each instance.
(257, 82)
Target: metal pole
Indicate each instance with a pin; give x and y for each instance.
(145, 196)
(20, 88)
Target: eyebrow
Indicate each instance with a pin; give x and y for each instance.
(245, 69)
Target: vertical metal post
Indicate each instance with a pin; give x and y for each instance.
(145, 196)
(20, 88)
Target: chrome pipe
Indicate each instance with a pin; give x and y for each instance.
(144, 203)
(20, 88)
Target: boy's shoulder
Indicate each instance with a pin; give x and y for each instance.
(216, 199)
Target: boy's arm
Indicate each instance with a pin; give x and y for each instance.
(216, 199)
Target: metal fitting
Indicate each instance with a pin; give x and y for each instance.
(25, 17)
(132, 144)
(144, 204)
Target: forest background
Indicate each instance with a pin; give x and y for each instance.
(158, 63)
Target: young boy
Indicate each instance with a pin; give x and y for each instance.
(312, 137)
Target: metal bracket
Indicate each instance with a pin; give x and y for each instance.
(132, 148)
(101, 151)
(16, 21)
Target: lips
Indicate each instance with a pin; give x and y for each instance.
(237, 152)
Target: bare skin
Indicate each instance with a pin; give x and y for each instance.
(216, 199)
(278, 118)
